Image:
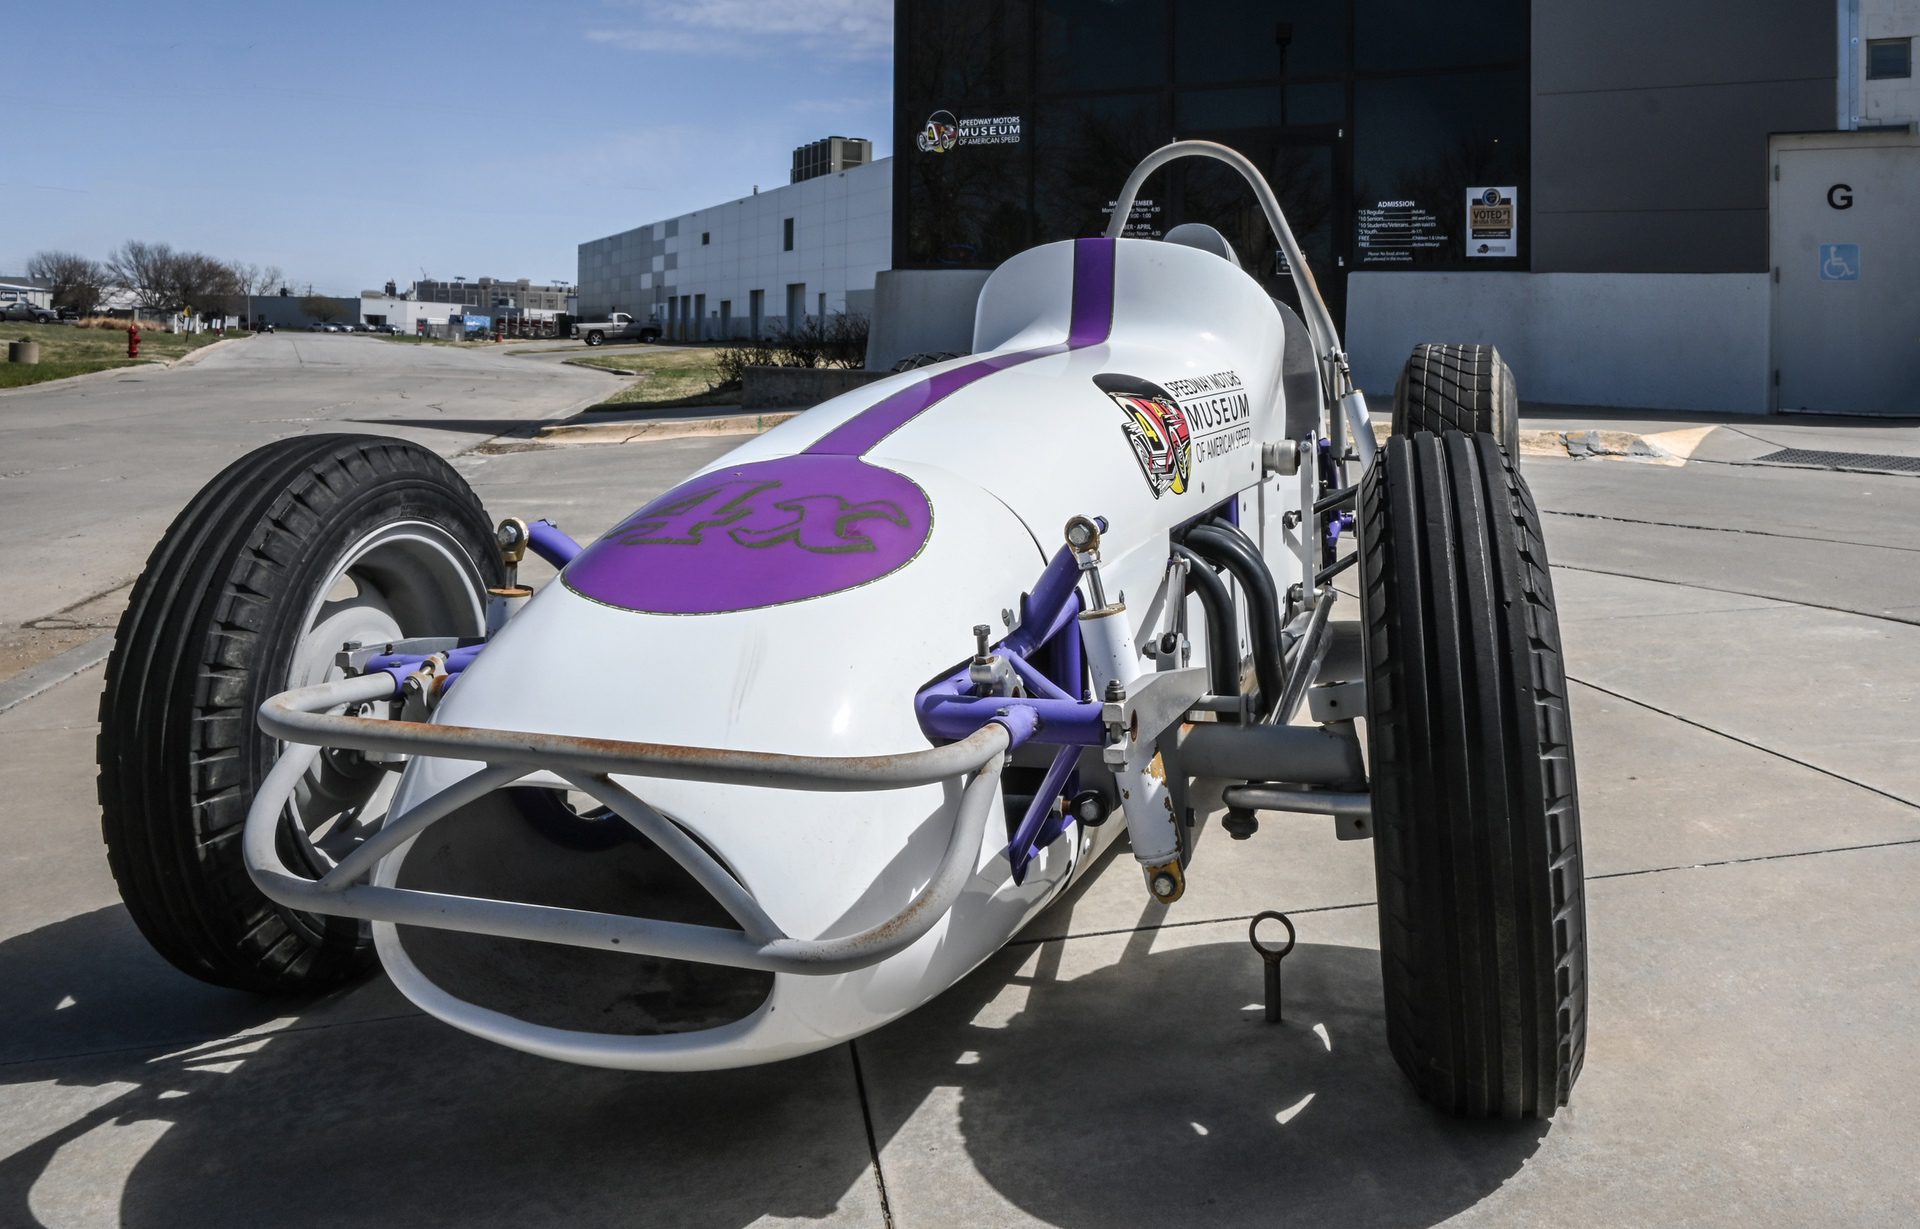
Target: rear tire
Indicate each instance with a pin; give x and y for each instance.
(595, 338)
(1476, 814)
(1458, 388)
(301, 542)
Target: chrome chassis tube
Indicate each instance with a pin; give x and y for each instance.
(302, 719)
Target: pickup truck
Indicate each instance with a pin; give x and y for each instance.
(617, 327)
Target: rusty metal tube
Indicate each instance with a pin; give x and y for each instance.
(299, 717)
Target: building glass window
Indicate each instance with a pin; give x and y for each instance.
(706, 237)
(1102, 44)
(787, 235)
(1419, 144)
(1889, 58)
(1257, 40)
(1419, 34)
(1344, 103)
(965, 51)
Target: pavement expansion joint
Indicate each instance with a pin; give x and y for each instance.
(1760, 747)
(873, 1138)
(1760, 533)
(1758, 857)
(1765, 597)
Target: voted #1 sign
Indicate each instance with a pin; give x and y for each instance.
(1493, 222)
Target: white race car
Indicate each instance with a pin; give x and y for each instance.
(804, 740)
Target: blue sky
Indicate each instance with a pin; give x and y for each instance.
(351, 142)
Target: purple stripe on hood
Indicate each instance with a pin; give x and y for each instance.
(786, 529)
(1092, 322)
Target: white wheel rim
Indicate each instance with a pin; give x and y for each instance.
(405, 579)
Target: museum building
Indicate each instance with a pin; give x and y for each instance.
(1635, 200)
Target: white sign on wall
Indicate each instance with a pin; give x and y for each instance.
(1493, 222)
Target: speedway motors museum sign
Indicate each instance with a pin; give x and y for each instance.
(943, 132)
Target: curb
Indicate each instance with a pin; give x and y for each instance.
(44, 677)
(1596, 445)
(661, 429)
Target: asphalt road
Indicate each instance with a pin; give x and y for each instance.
(1742, 640)
(92, 471)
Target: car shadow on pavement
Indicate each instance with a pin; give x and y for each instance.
(1149, 1089)
(516, 428)
(1139, 1089)
(357, 1109)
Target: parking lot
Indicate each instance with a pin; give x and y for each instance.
(1741, 634)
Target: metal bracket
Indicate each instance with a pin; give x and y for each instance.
(1154, 705)
(1330, 702)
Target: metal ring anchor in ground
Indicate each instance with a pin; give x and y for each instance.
(1271, 957)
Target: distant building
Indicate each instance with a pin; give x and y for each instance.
(491, 296)
(830, 156)
(30, 289)
(752, 266)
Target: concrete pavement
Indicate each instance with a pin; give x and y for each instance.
(92, 472)
(1741, 639)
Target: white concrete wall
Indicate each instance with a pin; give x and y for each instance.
(922, 311)
(405, 313)
(1895, 101)
(843, 236)
(1673, 341)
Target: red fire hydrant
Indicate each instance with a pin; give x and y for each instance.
(133, 340)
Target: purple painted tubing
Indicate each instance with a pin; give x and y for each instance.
(545, 540)
(1020, 721)
(1021, 848)
(1044, 606)
(1075, 722)
(1337, 525)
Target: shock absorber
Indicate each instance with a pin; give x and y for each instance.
(1105, 630)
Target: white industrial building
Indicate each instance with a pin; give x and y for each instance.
(748, 267)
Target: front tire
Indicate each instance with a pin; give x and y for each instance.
(1476, 814)
(290, 551)
(1458, 388)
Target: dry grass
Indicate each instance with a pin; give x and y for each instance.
(669, 377)
(69, 351)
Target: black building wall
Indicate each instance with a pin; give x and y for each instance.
(1650, 124)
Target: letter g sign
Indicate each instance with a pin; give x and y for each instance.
(1840, 196)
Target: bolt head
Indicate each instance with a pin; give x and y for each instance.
(1163, 885)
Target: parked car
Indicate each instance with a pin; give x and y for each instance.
(21, 309)
(617, 327)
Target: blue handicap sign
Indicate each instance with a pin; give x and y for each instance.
(1839, 262)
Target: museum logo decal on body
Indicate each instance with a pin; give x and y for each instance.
(1185, 422)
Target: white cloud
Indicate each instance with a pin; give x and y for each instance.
(842, 29)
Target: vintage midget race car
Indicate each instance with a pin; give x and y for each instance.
(804, 740)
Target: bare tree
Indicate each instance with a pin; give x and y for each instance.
(259, 279)
(78, 282)
(145, 271)
(202, 284)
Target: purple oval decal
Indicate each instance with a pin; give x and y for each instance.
(760, 534)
